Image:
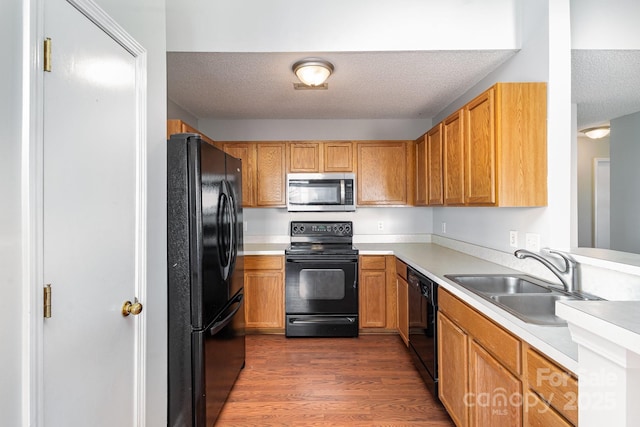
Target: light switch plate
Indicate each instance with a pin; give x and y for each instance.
(513, 239)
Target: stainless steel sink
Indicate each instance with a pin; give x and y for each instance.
(539, 309)
(531, 300)
(499, 284)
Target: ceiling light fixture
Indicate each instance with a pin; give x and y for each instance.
(313, 71)
(597, 132)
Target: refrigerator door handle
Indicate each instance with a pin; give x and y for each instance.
(234, 228)
(218, 326)
(223, 238)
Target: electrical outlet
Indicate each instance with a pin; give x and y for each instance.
(513, 239)
(532, 242)
(380, 225)
(444, 228)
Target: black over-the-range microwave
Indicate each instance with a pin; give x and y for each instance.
(321, 192)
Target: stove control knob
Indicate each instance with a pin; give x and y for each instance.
(347, 228)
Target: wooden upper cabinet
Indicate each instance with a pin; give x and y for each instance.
(304, 157)
(453, 159)
(521, 144)
(338, 156)
(271, 174)
(480, 159)
(178, 126)
(246, 152)
(433, 140)
(317, 157)
(422, 172)
(385, 172)
(506, 146)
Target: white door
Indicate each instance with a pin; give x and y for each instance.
(601, 203)
(93, 236)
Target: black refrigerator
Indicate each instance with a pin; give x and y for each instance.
(206, 346)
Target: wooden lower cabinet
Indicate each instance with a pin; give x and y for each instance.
(488, 377)
(453, 369)
(264, 293)
(377, 293)
(555, 388)
(494, 392)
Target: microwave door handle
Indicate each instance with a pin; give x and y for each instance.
(342, 192)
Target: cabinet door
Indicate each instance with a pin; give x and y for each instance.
(338, 156)
(403, 309)
(304, 157)
(270, 175)
(422, 172)
(372, 299)
(264, 299)
(453, 156)
(453, 369)
(382, 173)
(480, 150)
(495, 395)
(247, 153)
(434, 168)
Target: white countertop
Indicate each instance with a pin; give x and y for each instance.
(435, 261)
(618, 321)
(264, 248)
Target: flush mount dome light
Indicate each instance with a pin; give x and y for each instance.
(313, 71)
(597, 132)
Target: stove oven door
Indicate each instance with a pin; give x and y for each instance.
(321, 295)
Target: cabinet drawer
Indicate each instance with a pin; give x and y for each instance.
(372, 262)
(504, 346)
(539, 414)
(554, 384)
(263, 262)
(401, 269)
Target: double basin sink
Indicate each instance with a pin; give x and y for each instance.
(530, 299)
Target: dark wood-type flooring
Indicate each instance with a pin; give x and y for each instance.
(364, 381)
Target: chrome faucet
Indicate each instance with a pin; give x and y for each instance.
(568, 276)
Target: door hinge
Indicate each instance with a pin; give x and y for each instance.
(47, 301)
(47, 54)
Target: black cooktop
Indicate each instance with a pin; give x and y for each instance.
(321, 238)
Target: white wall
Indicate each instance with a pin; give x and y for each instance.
(412, 223)
(174, 111)
(10, 214)
(340, 26)
(611, 24)
(625, 183)
(545, 56)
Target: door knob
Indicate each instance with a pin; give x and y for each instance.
(131, 308)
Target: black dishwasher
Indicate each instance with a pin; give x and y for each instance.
(423, 343)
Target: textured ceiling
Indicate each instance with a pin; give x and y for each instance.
(605, 84)
(365, 85)
(381, 85)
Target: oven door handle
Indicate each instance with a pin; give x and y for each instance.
(311, 321)
(323, 260)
